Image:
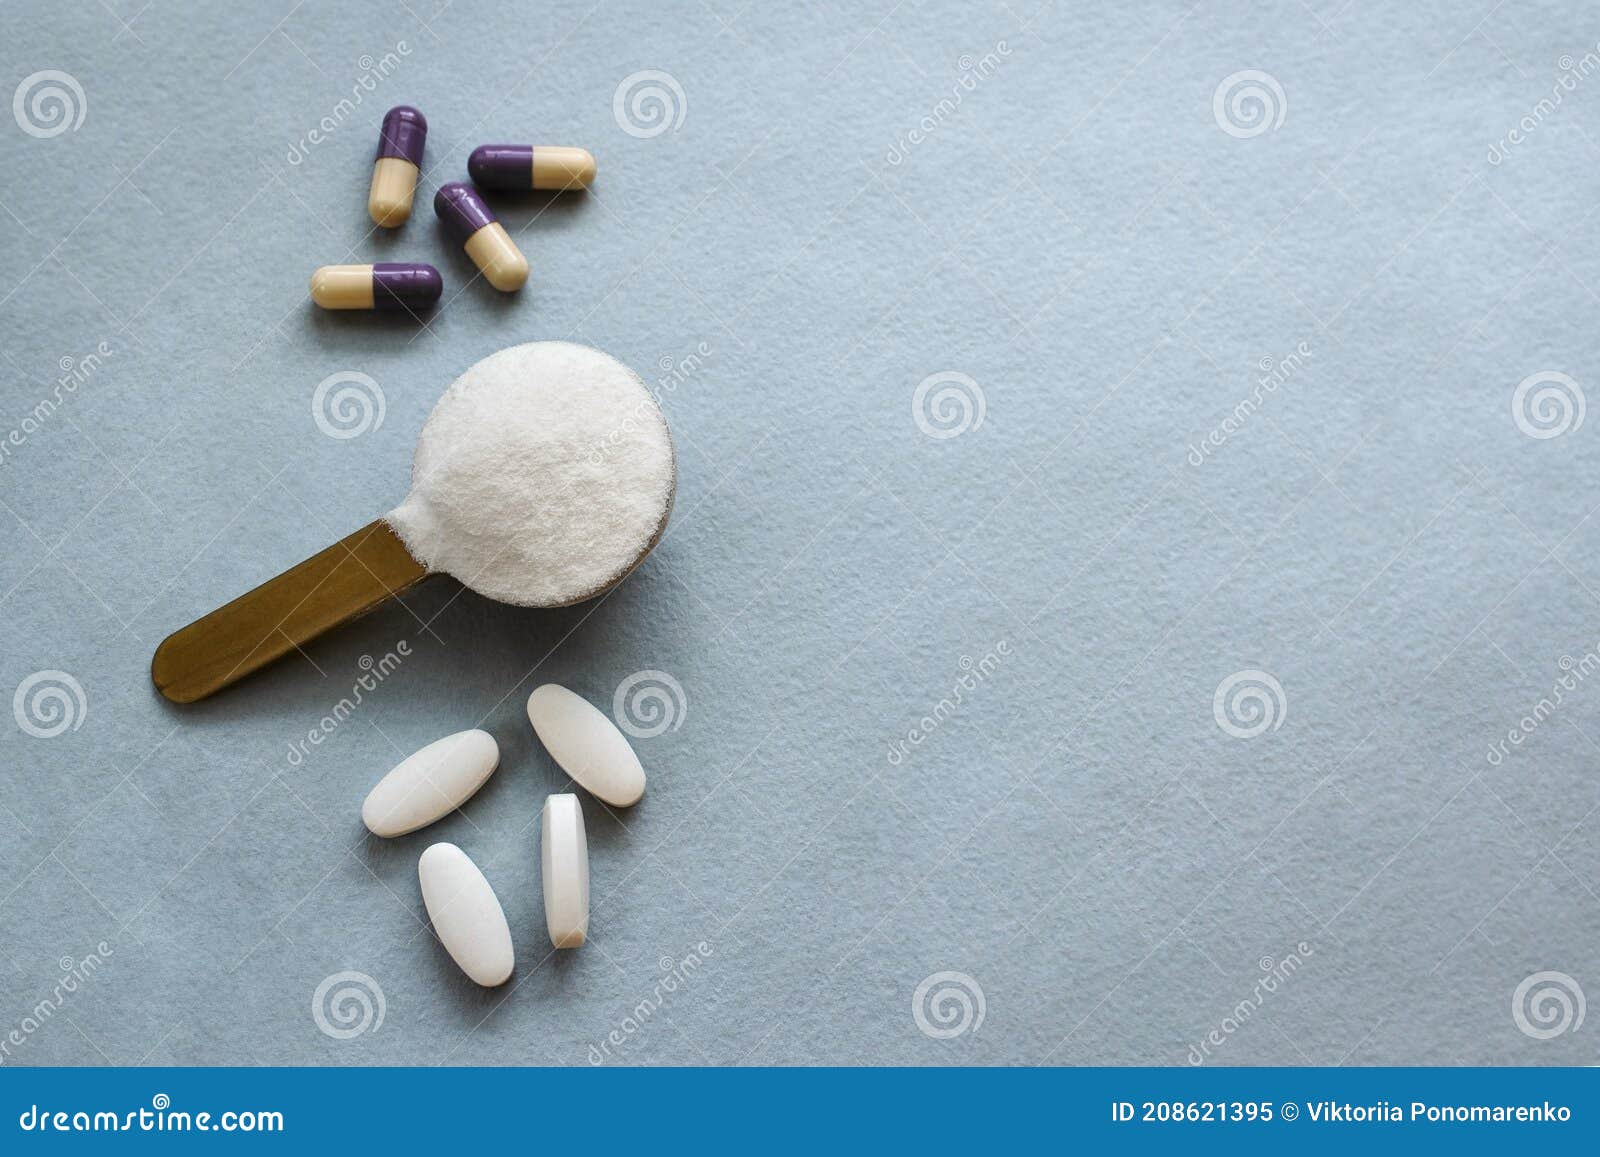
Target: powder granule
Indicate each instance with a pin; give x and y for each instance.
(543, 475)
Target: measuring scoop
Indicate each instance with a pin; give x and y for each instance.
(543, 476)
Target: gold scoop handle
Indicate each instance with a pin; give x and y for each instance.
(350, 578)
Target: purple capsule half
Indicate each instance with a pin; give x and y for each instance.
(405, 131)
(502, 166)
(462, 210)
(405, 286)
(392, 287)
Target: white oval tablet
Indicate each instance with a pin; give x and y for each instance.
(564, 865)
(586, 744)
(430, 784)
(466, 915)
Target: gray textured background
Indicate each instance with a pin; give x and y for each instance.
(1084, 240)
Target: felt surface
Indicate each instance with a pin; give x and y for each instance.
(946, 704)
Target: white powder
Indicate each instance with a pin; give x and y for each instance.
(544, 474)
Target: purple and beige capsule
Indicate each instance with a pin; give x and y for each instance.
(469, 221)
(557, 167)
(394, 174)
(392, 287)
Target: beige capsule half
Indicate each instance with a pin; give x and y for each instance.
(342, 287)
(562, 167)
(394, 187)
(497, 256)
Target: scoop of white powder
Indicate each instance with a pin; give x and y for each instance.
(543, 475)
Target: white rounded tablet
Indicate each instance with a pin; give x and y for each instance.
(564, 865)
(431, 783)
(586, 744)
(466, 915)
